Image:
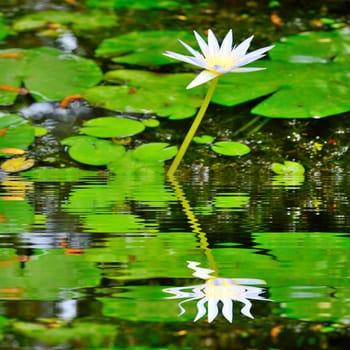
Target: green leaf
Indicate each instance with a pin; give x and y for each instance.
(306, 78)
(204, 139)
(288, 168)
(93, 151)
(144, 48)
(147, 92)
(48, 73)
(78, 21)
(112, 127)
(230, 148)
(19, 134)
(154, 152)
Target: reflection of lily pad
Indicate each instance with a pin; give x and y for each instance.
(58, 174)
(93, 151)
(143, 48)
(87, 334)
(48, 73)
(308, 77)
(51, 266)
(231, 201)
(78, 21)
(147, 92)
(135, 4)
(16, 216)
(313, 285)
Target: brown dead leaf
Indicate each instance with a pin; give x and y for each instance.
(17, 164)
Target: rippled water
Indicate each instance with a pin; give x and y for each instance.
(103, 252)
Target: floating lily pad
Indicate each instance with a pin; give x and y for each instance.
(154, 152)
(230, 148)
(48, 73)
(93, 151)
(15, 133)
(288, 168)
(147, 92)
(77, 21)
(112, 127)
(308, 77)
(143, 48)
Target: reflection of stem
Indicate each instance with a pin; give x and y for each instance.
(193, 129)
(195, 225)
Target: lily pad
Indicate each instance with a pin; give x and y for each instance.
(230, 148)
(307, 77)
(15, 133)
(143, 48)
(93, 151)
(147, 92)
(112, 127)
(288, 168)
(154, 152)
(77, 21)
(48, 74)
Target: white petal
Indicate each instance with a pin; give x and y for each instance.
(212, 309)
(246, 308)
(201, 78)
(213, 44)
(246, 70)
(202, 44)
(227, 309)
(183, 58)
(242, 48)
(226, 45)
(255, 55)
(201, 309)
(192, 51)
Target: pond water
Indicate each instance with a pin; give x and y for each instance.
(104, 263)
(225, 255)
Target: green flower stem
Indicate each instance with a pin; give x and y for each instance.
(183, 148)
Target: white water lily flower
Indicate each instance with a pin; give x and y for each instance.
(217, 60)
(216, 291)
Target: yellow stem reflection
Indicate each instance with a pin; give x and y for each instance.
(192, 219)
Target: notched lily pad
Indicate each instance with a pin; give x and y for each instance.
(288, 168)
(49, 74)
(307, 77)
(93, 151)
(109, 127)
(77, 21)
(147, 92)
(143, 48)
(230, 148)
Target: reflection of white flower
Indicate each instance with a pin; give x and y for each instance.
(217, 60)
(217, 290)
